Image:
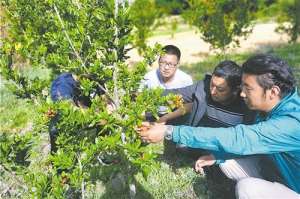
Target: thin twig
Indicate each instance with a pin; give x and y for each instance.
(106, 93)
(82, 183)
(116, 70)
(68, 38)
(90, 42)
(115, 73)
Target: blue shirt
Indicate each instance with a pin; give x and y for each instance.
(64, 87)
(277, 135)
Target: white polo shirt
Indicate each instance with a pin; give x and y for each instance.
(153, 79)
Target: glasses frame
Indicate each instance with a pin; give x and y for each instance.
(169, 65)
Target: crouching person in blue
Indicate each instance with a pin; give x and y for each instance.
(66, 87)
(268, 86)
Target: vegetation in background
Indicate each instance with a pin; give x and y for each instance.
(220, 23)
(289, 18)
(284, 12)
(145, 17)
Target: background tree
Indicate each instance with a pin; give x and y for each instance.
(221, 22)
(289, 18)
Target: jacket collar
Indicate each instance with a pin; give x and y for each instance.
(282, 103)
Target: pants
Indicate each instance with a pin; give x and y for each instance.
(251, 181)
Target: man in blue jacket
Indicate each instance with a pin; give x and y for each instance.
(268, 86)
(67, 87)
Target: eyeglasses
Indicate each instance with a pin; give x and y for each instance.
(166, 64)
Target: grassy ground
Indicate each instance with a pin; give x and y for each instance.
(15, 114)
(175, 178)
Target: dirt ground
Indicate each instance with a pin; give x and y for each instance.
(194, 49)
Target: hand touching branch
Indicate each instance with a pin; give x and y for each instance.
(152, 133)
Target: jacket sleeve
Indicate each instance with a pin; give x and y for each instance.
(186, 92)
(221, 156)
(274, 135)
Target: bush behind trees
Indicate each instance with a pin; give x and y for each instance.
(289, 12)
(221, 22)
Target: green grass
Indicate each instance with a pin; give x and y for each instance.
(15, 114)
(175, 178)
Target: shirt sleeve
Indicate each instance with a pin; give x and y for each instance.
(189, 81)
(187, 92)
(271, 136)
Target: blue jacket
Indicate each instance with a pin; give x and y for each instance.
(277, 134)
(64, 87)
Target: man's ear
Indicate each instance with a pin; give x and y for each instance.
(275, 92)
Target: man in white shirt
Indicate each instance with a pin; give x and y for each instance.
(167, 76)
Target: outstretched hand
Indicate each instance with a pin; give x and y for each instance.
(152, 133)
(206, 160)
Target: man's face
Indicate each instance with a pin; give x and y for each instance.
(168, 65)
(220, 91)
(254, 95)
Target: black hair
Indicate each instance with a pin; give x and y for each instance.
(231, 72)
(172, 50)
(270, 71)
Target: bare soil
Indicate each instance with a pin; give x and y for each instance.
(194, 49)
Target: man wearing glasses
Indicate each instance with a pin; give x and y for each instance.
(167, 76)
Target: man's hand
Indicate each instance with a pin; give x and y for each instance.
(206, 160)
(186, 108)
(152, 133)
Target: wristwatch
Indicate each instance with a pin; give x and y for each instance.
(168, 132)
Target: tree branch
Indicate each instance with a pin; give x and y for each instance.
(82, 183)
(115, 73)
(68, 38)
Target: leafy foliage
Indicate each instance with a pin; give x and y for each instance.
(90, 40)
(144, 21)
(147, 16)
(284, 12)
(289, 13)
(221, 22)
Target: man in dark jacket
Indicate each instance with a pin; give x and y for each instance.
(214, 101)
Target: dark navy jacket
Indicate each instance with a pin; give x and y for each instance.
(208, 113)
